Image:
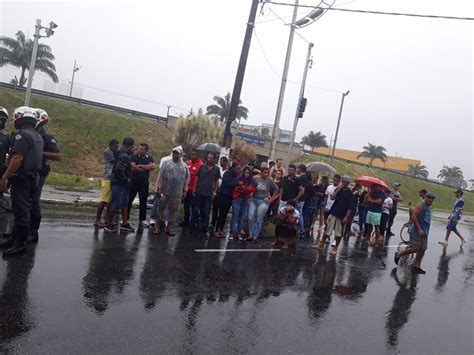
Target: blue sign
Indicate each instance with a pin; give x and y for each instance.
(247, 138)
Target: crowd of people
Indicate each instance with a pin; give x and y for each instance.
(301, 204)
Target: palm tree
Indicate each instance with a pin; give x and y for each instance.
(265, 133)
(17, 52)
(418, 170)
(221, 108)
(315, 140)
(452, 176)
(373, 152)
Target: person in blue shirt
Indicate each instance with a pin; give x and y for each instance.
(454, 218)
(419, 230)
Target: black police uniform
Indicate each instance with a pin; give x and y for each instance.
(24, 183)
(50, 146)
(5, 142)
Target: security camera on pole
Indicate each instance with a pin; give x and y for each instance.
(308, 19)
(49, 31)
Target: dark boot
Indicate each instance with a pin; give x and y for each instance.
(20, 234)
(33, 234)
(6, 242)
(18, 248)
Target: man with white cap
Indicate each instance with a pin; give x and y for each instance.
(171, 185)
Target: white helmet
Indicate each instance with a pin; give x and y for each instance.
(24, 113)
(41, 116)
(3, 112)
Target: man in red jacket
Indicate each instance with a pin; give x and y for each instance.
(189, 201)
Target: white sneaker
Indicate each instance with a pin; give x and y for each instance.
(443, 242)
(152, 223)
(463, 241)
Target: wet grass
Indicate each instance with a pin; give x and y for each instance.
(410, 186)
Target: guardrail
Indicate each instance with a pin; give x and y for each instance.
(160, 119)
(310, 152)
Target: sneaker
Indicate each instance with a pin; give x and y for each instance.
(418, 270)
(126, 227)
(111, 228)
(143, 224)
(463, 241)
(152, 223)
(443, 242)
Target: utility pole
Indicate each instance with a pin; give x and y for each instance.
(301, 103)
(338, 122)
(31, 72)
(37, 35)
(74, 70)
(167, 114)
(239, 78)
(281, 97)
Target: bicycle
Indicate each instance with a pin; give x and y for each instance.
(404, 235)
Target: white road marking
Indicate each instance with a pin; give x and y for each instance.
(232, 250)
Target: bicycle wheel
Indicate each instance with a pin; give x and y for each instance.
(404, 235)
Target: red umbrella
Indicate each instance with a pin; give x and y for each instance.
(368, 181)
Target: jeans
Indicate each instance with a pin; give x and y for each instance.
(190, 209)
(154, 209)
(391, 219)
(257, 211)
(222, 203)
(142, 192)
(239, 211)
(203, 204)
(308, 214)
(299, 207)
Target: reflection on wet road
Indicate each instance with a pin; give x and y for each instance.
(81, 291)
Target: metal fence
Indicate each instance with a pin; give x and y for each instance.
(160, 119)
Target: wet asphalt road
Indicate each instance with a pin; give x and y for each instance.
(81, 291)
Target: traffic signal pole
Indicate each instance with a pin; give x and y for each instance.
(301, 104)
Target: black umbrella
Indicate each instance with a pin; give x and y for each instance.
(210, 148)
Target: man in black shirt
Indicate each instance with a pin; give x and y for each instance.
(303, 180)
(291, 188)
(339, 214)
(142, 164)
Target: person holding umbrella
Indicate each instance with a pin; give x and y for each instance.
(374, 214)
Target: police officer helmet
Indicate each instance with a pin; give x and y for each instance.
(22, 115)
(41, 116)
(3, 113)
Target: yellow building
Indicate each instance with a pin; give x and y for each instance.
(393, 163)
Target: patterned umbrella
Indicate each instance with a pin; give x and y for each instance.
(320, 166)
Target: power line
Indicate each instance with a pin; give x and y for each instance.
(376, 12)
(272, 68)
(298, 34)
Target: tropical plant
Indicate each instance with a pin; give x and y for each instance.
(373, 152)
(418, 170)
(452, 176)
(196, 129)
(315, 140)
(265, 133)
(245, 151)
(221, 108)
(17, 52)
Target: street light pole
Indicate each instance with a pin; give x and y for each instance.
(239, 78)
(299, 112)
(338, 122)
(74, 70)
(284, 78)
(31, 72)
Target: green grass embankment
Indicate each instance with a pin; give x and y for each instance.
(410, 186)
(83, 133)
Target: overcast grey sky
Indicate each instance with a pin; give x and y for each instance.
(410, 78)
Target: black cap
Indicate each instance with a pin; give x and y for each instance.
(459, 191)
(430, 195)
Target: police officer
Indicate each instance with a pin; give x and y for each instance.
(23, 176)
(50, 152)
